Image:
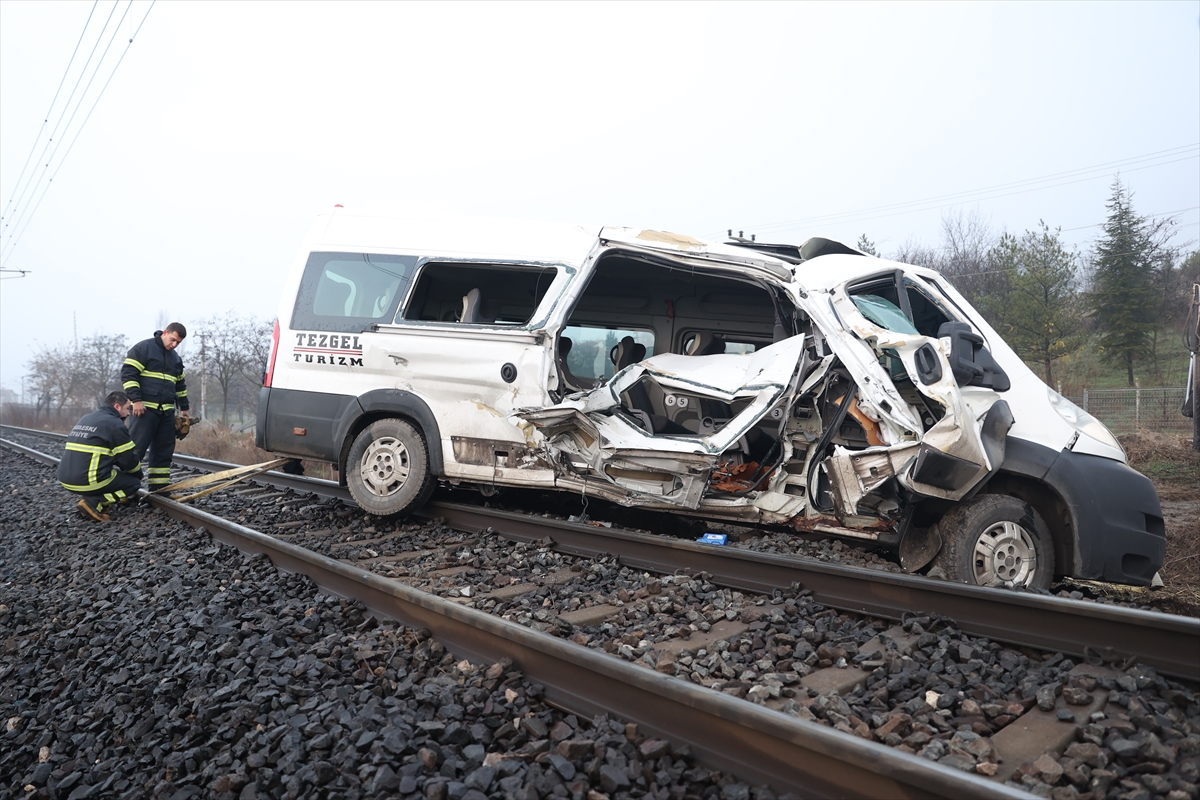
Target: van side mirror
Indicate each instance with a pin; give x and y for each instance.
(970, 361)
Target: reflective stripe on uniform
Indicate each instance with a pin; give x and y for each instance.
(97, 449)
(94, 464)
(133, 362)
(159, 406)
(92, 487)
(130, 384)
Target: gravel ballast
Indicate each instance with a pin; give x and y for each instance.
(143, 660)
(936, 691)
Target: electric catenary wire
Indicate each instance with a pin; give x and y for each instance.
(46, 121)
(1065, 178)
(31, 182)
(16, 236)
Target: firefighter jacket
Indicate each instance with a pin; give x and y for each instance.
(97, 449)
(153, 375)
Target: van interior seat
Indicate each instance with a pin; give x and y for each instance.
(572, 382)
(470, 307)
(704, 343)
(623, 354)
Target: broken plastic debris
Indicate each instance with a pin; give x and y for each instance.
(713, 538)
(582, 519)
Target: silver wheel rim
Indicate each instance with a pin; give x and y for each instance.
(385, 466)
(1005, 555)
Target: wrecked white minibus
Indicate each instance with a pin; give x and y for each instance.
(813, 387)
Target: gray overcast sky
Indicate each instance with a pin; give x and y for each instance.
(228, 126)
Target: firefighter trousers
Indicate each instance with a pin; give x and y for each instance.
(123, 486)
(154, 441)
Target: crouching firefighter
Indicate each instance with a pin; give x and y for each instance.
(100, 462)
(153, 377)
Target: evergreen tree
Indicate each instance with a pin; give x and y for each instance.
(1038, 312)
(866, 245)
(1123, 296)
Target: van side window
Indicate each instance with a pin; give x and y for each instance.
(707, 343)
(347, 292)
(916, 311)
(487, 294)
(928, 314)
(592, 354)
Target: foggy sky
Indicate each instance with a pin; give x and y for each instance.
(229, 126)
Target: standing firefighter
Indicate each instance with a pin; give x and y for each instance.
(153, 377)
(100, 462)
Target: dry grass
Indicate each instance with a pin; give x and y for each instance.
(219, 443)
(1174, 466)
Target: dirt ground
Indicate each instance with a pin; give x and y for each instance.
(1170, 461)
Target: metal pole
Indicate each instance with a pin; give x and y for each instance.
(203, 376)
(1085, 399)
(1191, 335)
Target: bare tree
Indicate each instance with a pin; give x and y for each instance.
(56, 376)
(966, 258)
(256, 335)
(99, 360)
(223, 354)
(236, 350)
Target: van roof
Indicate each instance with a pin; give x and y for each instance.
(374, 230)
(363, 230)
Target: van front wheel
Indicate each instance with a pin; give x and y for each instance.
(387, 470)
(996, 540)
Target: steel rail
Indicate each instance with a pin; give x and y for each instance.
(1169, 643)
(754, 742)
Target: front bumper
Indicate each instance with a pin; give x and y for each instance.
(1119, 532)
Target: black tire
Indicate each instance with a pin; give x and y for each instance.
(387, 470)
(996, 540)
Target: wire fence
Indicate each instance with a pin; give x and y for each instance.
(1129, 410)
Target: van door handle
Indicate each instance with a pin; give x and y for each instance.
(398, 361)
(929, 366)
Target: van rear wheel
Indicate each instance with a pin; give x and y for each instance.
(996, 540)
(387, 470)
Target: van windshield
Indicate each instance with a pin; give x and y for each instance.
(883, 313)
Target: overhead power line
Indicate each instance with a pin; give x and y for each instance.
(15, 236)
(1132, 164)
(1163, 214)
(34, 184)
(31, 182)
(46, 120)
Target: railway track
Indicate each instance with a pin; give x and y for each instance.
(1082, 629)
(751, 740)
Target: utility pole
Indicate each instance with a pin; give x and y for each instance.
(1191, 337)
(203, 376)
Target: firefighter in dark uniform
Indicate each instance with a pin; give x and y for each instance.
(100, 461)
(153, 377)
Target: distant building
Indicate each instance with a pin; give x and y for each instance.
(8, 396)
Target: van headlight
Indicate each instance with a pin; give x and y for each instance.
(1082, 421)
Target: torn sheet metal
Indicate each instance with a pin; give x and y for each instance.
(856, 473)
(592, 432)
